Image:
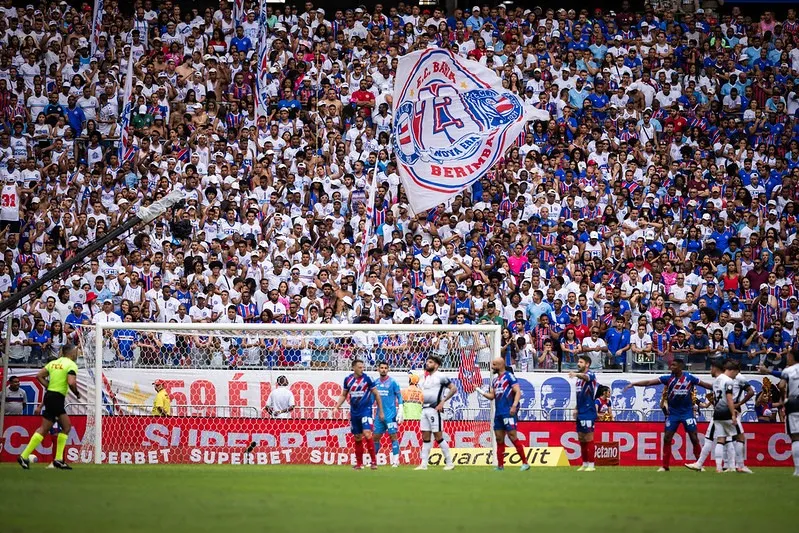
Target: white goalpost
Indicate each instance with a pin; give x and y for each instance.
(221, 376)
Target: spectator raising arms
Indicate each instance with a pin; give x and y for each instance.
(657, 207)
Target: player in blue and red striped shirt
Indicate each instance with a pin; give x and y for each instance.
(362, 392)
(585, 411)
(679, 389)
(507, 394)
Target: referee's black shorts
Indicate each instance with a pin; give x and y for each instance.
(53, 405)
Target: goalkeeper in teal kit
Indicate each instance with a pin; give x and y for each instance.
(391, 398)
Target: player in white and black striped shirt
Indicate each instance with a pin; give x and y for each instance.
(790, 376)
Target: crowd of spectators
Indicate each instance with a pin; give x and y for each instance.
(653, 216)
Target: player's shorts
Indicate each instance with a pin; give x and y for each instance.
(359, 424)
(585, 426)
(505, 422)
(53, 405)
(673, 423)
(431, 420)
(390, 426)
(724, 428)
(792, 423)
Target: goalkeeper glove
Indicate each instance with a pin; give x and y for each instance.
(400, 417)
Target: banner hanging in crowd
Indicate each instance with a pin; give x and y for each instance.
(97, 24)
(126, 150)
(453, 121)
(264, 66)
(545, 396)
(154, 440)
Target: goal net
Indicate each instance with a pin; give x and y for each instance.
(228, 385)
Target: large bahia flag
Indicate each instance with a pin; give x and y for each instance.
(453, 121)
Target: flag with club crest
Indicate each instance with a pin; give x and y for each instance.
(126, 151)
(97, 24)
(453, 121)
(469, 370)
(262, 74)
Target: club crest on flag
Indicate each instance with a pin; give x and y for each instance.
(435, 129)
(453, 121)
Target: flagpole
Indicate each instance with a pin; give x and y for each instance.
(318, 90)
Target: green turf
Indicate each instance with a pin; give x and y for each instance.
(230, 499)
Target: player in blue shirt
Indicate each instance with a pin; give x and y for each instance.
(361, 390)
(507, 394)
(391, 398)
(680, 390)
(585, 412)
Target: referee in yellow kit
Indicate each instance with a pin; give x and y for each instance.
(58, 377)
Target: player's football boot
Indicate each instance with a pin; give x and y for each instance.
(663, 469)
(695, 467)
(499, 468)
(525, 468)
(590, 469)
(24, 463)
(61, 465)
(744, 470)
(449, 467)
(357, 467)
(718, 471)
(582, 468)
(373, 467)
(421, 467)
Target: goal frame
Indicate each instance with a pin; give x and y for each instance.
(492, 329)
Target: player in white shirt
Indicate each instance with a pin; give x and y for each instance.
(721, 428)
(790, 376)
(280, 403)
(742, 392)
(437, 389)
(725, 416)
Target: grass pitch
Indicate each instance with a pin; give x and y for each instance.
(298, 499)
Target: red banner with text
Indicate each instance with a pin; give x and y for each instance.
(153, 440)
